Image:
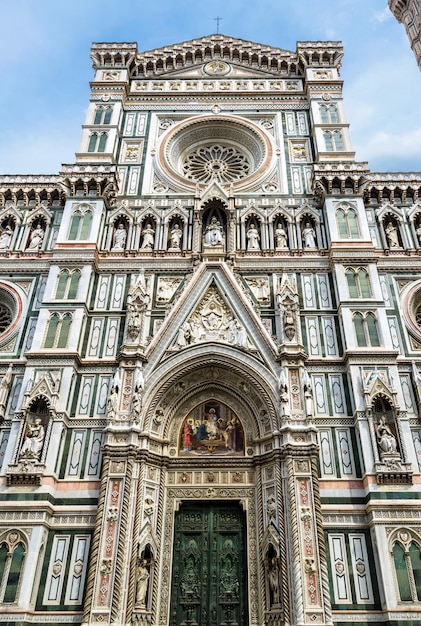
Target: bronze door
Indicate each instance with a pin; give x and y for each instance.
(209, 578)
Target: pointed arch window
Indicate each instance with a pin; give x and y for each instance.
(97, 142)
(329, 113)
(52, 331)
(67, 285)
(408, 571)
(80, 225)
(333, 140)
(12, 557)
(358, 282)
(64, 330)
(347, 221)
(372, 330)
(103, 115)
(14, 574)
(366, 331)
(58, 331)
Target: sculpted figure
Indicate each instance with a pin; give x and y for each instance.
(5, 238)
(175, 238)
(236, 334)
(213, 233)
(392, 235)
(184, 336)
(112, 403)
(148, 235)
(36, 238)
(5, 384)
(260, 287)
(137, 402)
(271, 507)
(281, 240)
(253, 238)
(289, 321)
(309, 236)
(120, 236)
(272, 570)
(34, 439)
(385, 437)
(142, 581)
(308, 396)
(166, 287)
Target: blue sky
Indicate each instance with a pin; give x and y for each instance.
(45, 67)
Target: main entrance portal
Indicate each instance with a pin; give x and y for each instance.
(209, 579)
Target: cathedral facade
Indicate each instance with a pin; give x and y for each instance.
(210, 342)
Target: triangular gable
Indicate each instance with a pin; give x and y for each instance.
(212, 308)
(376, 384)
(218, 41)
(214, 191)
(252, 56)
(45, 386)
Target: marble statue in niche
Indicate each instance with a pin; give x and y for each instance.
(213, 233)
(253, 238)
(119, 237)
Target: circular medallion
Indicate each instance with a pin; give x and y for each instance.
(217, 68)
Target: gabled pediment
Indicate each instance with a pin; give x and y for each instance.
(212, 309)
(45, 387)
(377, 384)
(214, 191)
(184, 58)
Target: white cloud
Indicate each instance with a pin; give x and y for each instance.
(403, 145)
(382, 16)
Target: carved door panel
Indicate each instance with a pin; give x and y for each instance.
(209, 579)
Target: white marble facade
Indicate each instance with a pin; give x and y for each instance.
(221, 317)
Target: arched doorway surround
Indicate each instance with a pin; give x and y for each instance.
(235, 383)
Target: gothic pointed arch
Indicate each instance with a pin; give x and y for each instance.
(195, 379)
(388, 210)
(38, 213)
(214, 191)
(306, 211)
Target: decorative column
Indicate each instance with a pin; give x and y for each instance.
(107, 585)
(309, 578)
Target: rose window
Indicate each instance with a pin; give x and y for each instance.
(201, 149)
(6, 318)
(223, 163)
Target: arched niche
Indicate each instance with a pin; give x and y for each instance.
(217, 378)
(214, 224)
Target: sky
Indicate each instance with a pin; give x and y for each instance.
(45, 67)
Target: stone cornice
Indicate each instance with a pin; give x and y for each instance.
(320, 53)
